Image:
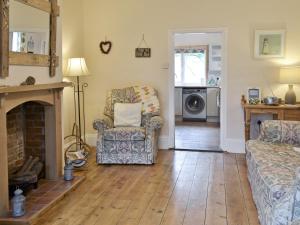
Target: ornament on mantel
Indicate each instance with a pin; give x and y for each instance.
(29, 81)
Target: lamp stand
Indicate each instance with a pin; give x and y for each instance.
(80, 145)
(78, 91)
(290, 96)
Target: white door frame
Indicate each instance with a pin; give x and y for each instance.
(223, 84)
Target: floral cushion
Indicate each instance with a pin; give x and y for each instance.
(278, 131)
(291, 132)
(125, 134)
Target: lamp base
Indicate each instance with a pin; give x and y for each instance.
(290, 96)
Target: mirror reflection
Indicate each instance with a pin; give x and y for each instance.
(28, 29)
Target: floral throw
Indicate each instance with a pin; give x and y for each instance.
(147, 95)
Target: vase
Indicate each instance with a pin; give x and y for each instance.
(290, 96)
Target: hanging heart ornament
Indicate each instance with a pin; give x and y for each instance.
(105, 46)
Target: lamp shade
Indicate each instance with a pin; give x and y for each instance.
(77, 67)
(289, 75)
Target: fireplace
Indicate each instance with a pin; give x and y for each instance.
(30, 124)
(26, 145)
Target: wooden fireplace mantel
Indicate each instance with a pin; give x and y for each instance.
(49, 95)
(12, 96)
(36, 87)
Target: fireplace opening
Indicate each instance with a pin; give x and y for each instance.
(26, 146)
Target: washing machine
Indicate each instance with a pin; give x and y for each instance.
(194, 104)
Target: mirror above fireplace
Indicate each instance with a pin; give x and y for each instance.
(28, 34)
(28, 29)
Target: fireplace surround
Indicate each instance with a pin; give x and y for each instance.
(50, 97)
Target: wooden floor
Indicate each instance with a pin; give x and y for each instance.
(197, 136)
(183, 188)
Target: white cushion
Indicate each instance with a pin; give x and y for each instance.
(127, 114)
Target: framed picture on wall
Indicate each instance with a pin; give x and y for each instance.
(143, 52)
(269, 43)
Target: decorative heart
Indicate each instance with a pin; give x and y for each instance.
(105, 46)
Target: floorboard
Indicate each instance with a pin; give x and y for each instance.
(197, 136)
(183, 188)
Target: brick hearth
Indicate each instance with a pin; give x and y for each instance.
(40, 200)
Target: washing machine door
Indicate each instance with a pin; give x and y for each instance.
(194, 104)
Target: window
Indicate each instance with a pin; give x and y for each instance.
(191, 66)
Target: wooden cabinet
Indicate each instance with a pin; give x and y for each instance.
(178, 101)
(212, 99)
(281, 112)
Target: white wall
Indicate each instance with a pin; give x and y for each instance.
(124, 22)
(197, 39)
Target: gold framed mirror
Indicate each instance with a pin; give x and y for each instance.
(28, 34)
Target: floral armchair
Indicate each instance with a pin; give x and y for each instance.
(129, 145)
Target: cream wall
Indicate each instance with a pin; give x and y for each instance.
(124, 22)
(72, 40)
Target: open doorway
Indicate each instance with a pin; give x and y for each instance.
(197, 69)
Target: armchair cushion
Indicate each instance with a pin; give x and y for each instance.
(127, 114)
(125, 134)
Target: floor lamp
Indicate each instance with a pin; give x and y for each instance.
(77, 68)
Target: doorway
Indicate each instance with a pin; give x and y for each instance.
(197, 85)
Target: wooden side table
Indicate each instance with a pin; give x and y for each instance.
(280, 112)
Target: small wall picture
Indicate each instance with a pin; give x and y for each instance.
(269, 43)
(143, 52)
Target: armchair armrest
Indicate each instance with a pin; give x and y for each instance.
(154, 123)
(102, 124)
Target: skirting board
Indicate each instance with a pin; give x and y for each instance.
(230, 145)
(234, 145)
(162, 143)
